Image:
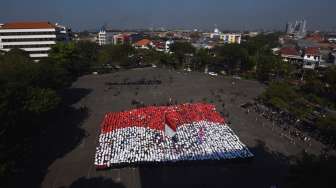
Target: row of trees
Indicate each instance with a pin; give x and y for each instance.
(252, 59)
(313, 100)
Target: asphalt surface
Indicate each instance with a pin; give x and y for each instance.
(65, 157)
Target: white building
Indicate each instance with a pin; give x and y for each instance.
(167, 45)
(228, 38)
(231, 38)
(311, 58)
(101, 38)
(105, 37)
(34, 37)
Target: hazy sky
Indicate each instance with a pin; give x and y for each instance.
(204, 14)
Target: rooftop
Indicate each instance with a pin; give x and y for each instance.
(289, 51)
(312, 51)
(143, 42)
(28, 25)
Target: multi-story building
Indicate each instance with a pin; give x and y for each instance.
(227, 38)
(297, 30)
(34, 37)
(231, 38)
(311, 57)
(105, 37)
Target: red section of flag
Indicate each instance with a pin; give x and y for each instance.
(156, 117)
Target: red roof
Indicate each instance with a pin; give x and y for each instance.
(28, 25)
(289, 51)
(159, 44)
(312, 51)
(316, 37)
(143, 42)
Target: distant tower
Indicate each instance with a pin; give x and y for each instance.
(289, 28)
(299, 29)
(304, 28)
(216, 31)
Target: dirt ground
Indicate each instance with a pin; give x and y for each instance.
(65, 157)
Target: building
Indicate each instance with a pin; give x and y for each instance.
(122, 38)
(311, 58)
(34, 37)
(143, 44)
(289, 54)
(105, 37)
(297, 30)
(231, 38)
(253, 34)
(315, 37)
(168, 43)
(289, 28)
(227, 38)
(86, 37)
(163, 46)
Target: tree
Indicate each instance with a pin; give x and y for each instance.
(115, 54)
(234, 56)
(270, 67)
(29, 94)
(203, 59)
(40, 100)
(181, 50)
(278, 93)
(76, 58)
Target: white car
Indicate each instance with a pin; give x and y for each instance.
(213, 74)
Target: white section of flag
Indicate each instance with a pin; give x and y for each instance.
(134, 145)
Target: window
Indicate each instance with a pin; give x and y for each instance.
(28, 39)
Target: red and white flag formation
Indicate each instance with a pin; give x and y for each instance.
(167, 134)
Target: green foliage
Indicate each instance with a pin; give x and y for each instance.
(277, 94)
(254, 56)
(39, 101)
(262, 43)
(285, 97)
(115, 54)
(316, 94)
(320, 87)
(180, 50)
(234, 56)
(76, 58)
(203, 58)
(28, 95)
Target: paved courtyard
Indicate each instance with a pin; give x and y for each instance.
(66, 157)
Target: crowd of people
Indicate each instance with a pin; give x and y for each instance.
(127, 141)
(156, 117)
(283, 120)
(138, 82)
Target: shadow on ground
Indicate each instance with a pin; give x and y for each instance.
(265, 170)
(98, 182)
(61, 134)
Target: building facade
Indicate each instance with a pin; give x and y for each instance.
(297, 30)
(311, 58)
(231, 38)
(36, 38)
(105, 37)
